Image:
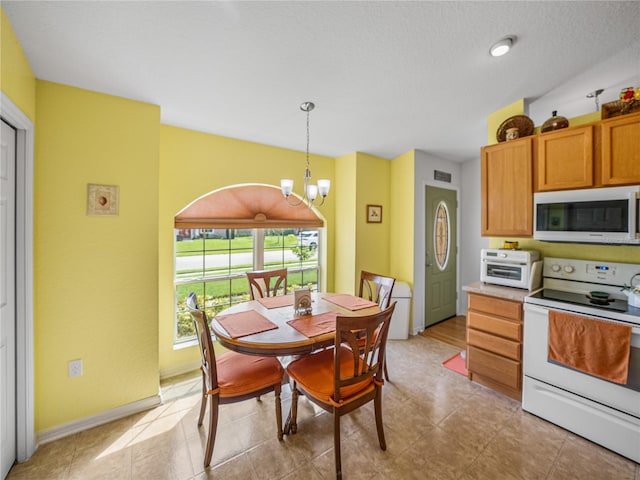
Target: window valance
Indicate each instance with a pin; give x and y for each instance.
(246, 206)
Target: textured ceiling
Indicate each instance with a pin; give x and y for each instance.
(386, 77)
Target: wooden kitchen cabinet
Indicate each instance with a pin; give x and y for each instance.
(620, 150)
(494, 343)
(599, 154)
(564, 159)
(507, 188)
(602, 154)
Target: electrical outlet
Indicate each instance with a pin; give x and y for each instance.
(75, 368)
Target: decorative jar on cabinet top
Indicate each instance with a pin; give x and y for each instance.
(556, 122)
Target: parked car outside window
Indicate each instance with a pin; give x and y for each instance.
(309, 239)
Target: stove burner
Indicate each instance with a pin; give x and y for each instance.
(599, 300)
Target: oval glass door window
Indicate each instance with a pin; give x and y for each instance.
(441, 237)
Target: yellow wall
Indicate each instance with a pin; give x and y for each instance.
(361, 180)
(622, 253)
(345, 242)
(96, 278)
(582, 119)
(193, 164)
(16, 77)
(401, 246)
(372, 239)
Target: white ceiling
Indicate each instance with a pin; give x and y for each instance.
(386, 77)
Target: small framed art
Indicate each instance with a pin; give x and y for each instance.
(374, 213)
(102, 199)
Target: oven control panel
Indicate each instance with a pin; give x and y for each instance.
(590, 271)
(601, 271)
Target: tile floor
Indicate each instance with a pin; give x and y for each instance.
(438, 425)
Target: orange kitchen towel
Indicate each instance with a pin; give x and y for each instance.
(314, 325)
(350, 302)
(592, 346)
(277, 301)
(245, 323)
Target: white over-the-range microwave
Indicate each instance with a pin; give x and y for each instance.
(596, 215)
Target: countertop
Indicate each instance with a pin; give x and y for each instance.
(508, 293)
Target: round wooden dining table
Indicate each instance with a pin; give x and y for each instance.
(285, 339)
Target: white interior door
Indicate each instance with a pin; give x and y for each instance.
(7, 299)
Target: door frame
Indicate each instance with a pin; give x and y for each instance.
(420, 245)
(25, 398)
(429, 247)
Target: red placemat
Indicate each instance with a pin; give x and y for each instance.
(314, 325)
(277, 301)
(245, 323)
(350, 302)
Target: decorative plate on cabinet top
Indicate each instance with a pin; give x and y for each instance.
(523, 123)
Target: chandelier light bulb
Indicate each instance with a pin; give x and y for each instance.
(312, 192)
(286, 185)
(323, 187)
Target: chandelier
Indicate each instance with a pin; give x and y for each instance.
(310, 191)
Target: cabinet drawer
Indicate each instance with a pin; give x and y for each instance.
(496, 306)
(503, 370)
(501, 346)
(497, 326)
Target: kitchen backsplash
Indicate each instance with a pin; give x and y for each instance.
(623, 254)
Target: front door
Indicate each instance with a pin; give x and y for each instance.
(7, 299)
(441, 252)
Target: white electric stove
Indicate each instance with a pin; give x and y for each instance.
(604, 412)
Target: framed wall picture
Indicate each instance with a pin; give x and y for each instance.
(102, 199)
(374, 213)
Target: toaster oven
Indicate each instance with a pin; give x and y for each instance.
(511, 268)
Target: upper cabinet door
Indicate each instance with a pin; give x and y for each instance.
(565, 159)
(621, 150)
(507, 189)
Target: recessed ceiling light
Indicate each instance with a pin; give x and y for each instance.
(502, 46)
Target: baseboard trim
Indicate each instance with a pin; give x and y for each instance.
(179, 370)
(55, 433)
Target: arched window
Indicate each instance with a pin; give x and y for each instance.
(228, 232)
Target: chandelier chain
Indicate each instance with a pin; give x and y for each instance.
(310, 192)
(308, 139)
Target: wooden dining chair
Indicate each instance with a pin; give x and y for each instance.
(377, 288)
(267, 283)
(231, 377)
(343, 378)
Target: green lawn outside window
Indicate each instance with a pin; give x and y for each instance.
(217, 267)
